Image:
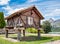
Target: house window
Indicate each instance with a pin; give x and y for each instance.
(30, 20)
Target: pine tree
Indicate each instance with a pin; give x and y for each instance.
(2, 21)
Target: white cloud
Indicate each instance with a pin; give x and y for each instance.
(33, 0)
(3, 2)
(10, 10)
(54, 13)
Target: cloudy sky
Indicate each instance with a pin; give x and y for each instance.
(48, 8)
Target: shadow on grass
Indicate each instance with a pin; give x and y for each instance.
(32, 38)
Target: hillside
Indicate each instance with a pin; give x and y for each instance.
(55, 25)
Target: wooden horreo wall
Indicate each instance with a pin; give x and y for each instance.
(22, 17)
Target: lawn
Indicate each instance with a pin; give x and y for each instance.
(29, 39)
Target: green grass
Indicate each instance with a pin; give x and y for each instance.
(29, 39)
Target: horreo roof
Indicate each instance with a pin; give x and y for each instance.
(26, 10)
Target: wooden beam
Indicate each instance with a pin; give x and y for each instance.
(22, 20)
(38, 33)
(6, 33)
(19, 35)
(24, 33)
(38, 13)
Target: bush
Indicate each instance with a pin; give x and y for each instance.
(42, 31)
(46, 26)
(33, 30)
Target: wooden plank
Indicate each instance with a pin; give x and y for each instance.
(6, 34)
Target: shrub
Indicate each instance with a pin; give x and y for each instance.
(46, 26)
(33, 30)
(42, 31)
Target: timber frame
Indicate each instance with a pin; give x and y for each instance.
(23, 19)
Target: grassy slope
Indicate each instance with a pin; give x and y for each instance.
(35, 41)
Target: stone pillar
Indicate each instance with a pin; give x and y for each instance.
(24, 33)
(19, 35)
(38, 33)
(6, 33)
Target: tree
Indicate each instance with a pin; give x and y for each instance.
(2, 21)
(46, 26)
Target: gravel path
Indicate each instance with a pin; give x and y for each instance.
(50, 34)
(10, 39)
(53, 42)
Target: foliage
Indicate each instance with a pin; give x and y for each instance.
(46, 26)
(31, 30)
(42, 31)
(2, 21)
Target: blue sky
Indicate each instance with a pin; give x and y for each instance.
(48, 8)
